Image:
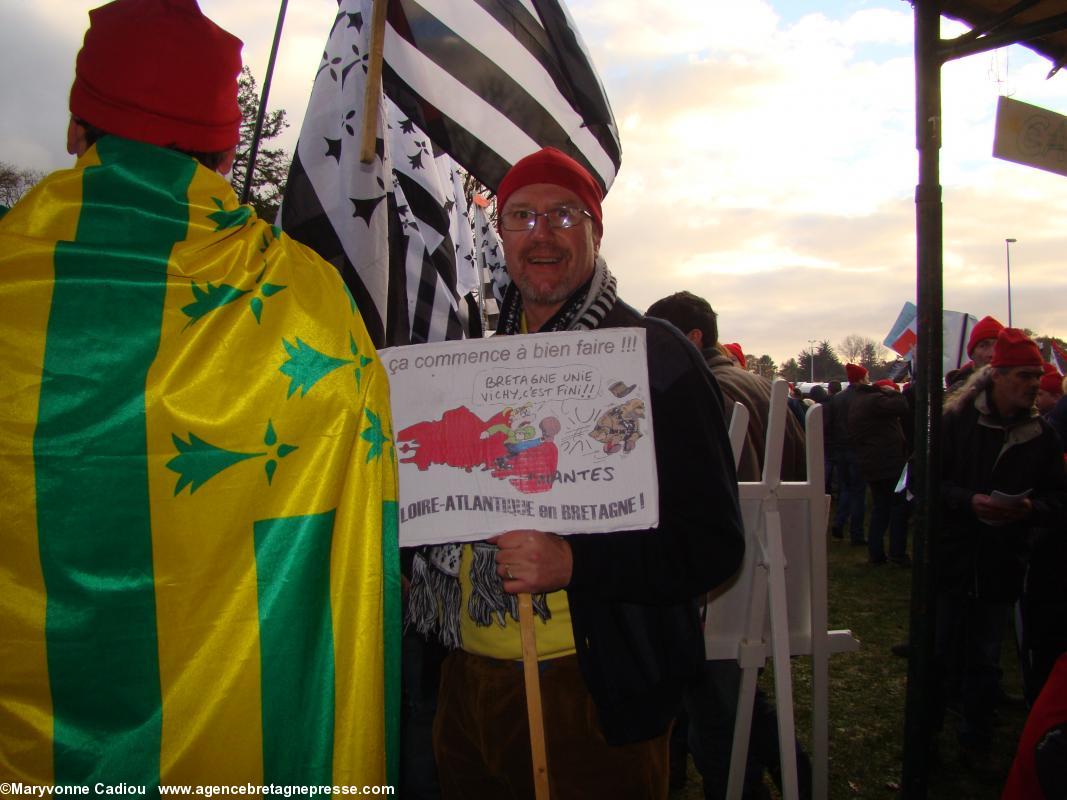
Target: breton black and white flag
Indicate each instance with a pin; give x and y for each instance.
(392, 228)
(470, 84)
(490, 252)
(492, 81)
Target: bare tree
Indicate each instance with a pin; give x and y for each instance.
(852, 346)
(15, 182)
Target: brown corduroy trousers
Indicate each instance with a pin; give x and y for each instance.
(481, 737)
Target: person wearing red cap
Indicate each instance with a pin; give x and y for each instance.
(852, 493)
(199, 506)
(623, 635)
(736, 354)
(982, 341)
(1049, 390)
(1002, 476)
(979, 349)
(1042, 608)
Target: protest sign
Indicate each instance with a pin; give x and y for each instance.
(551, 431)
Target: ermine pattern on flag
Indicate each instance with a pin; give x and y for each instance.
(490, 251)
(493, 80)
(388, 226)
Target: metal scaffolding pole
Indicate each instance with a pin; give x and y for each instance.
(927, 460)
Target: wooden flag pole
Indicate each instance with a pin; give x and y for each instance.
(373, 90)
(533, 696)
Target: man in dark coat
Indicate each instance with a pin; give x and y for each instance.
(852, 495)
(1002, 475)
(624, 635)
(876, 422)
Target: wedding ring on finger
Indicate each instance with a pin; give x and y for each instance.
(507, 571)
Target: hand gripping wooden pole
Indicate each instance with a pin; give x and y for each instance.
(373, 90)
(533, 697)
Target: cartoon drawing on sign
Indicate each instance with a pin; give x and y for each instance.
(530, 465)
(522, 443)
(459, 439)
(618, 428)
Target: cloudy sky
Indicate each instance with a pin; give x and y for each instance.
(769, 159)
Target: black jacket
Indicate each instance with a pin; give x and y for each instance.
(636, 627)
(875, 428)
(982, 453)
(836, 422)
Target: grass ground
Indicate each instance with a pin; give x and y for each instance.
(867, 691)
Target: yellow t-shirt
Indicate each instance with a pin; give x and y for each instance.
(555, 637)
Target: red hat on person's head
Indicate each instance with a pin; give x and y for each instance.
(549, 165)
(889, 384)
(159, 71)
(1015, 349)
(855, 373)
(987, 328)
(739, 354)
(1051, 381)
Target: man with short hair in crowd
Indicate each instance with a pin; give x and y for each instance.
(199, 498)
(623, 634)
(1002, 475)
(695, 318)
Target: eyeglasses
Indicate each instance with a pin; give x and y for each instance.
(526, 220)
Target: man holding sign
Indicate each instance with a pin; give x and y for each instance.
(620, 633)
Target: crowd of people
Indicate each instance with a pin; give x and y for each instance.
(201, 579)
(1001, 546)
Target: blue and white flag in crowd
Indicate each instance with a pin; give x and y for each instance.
(956, 328)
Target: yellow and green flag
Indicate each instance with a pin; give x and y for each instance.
(198, 558)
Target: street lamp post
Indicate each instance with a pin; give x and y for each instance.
(812, 343)
(1007, 258)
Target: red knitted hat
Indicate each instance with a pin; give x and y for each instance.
(987, 328)
(1051, 381)
(855, 372)
(739, 354)
(550, 165)
(159, 71)
(1015, 349)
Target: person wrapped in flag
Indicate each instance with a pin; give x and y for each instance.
(199, 582)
